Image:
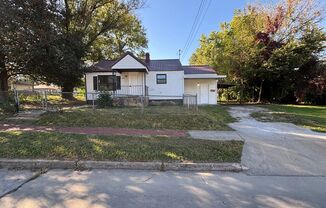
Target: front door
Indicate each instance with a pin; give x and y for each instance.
(203, 94)
(135, 83)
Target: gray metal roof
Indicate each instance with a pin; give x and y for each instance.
(165, 65)
(200, 69)
(156, 65)
(103, 65)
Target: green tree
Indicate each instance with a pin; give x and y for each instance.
(132, 37)
(83, 23)
(51, 40)
(24, 26)
(233, 50)
(264, 47)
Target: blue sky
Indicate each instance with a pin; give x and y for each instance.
(168, 23)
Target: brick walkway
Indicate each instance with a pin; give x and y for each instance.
(95, 131)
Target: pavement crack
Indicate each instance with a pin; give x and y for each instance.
(33, 177)
(149, 178)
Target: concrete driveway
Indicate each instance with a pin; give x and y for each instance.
(273, 148)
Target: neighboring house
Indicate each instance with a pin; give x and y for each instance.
(25, 84)
(21, 85)
(164, 79)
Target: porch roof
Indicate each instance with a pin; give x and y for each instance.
(117, 65)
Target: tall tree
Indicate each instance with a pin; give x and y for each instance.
(83, 23)
(51, 39)
(263, 47)
(132, 37)
(23, 26)
(233, 50)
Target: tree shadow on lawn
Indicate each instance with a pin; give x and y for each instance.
(52, 145)
(153, 117)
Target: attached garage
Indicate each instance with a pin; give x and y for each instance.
(201, 81)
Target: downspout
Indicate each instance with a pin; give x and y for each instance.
(145, 84)
(85, 84)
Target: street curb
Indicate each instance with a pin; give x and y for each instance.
(36, 164)
(87, 165)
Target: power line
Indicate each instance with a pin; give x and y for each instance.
(194, 25)
(197, 29)
(202, 20)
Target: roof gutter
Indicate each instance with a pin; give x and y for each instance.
(204, 76)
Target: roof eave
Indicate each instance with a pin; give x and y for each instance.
(204, 76)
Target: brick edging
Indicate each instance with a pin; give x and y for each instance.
(86, 165)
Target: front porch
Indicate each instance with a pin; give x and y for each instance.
(130, 90)
(119, 84)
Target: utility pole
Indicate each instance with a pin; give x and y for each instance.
(179, 52)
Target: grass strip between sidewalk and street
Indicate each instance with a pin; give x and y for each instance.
(60, 146)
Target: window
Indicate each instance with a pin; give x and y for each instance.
(161, 79)
(109, 82)
(95, 83)
(118, 83)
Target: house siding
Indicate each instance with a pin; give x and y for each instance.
(127, 79)
(172, 90)
(128, 62)
(205, 89)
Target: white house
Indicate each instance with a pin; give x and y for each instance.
(164, 79)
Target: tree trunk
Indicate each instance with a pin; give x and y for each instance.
(3, 79)
(67, 91)
(241, 91)
(260, 91)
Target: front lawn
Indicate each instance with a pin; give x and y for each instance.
(313, 117)
(4, 115)
(153, 117)
(51, 145)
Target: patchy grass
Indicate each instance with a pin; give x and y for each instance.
(313, 117)
(56, 99)
(152, 117)
(30, 100)
(4, 115)
(51, 145)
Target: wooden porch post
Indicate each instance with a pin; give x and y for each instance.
(144, 88)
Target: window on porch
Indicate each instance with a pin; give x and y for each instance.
(108, 82)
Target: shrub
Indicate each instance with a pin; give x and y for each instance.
(7, 104)
(315, 98)
(104, 100)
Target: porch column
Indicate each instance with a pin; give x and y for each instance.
(145, 87)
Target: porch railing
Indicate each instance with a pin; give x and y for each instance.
(131, 90)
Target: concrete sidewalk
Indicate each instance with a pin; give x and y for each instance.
(216, 135)
(9, 180)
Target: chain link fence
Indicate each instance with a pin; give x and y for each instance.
(56, 100)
